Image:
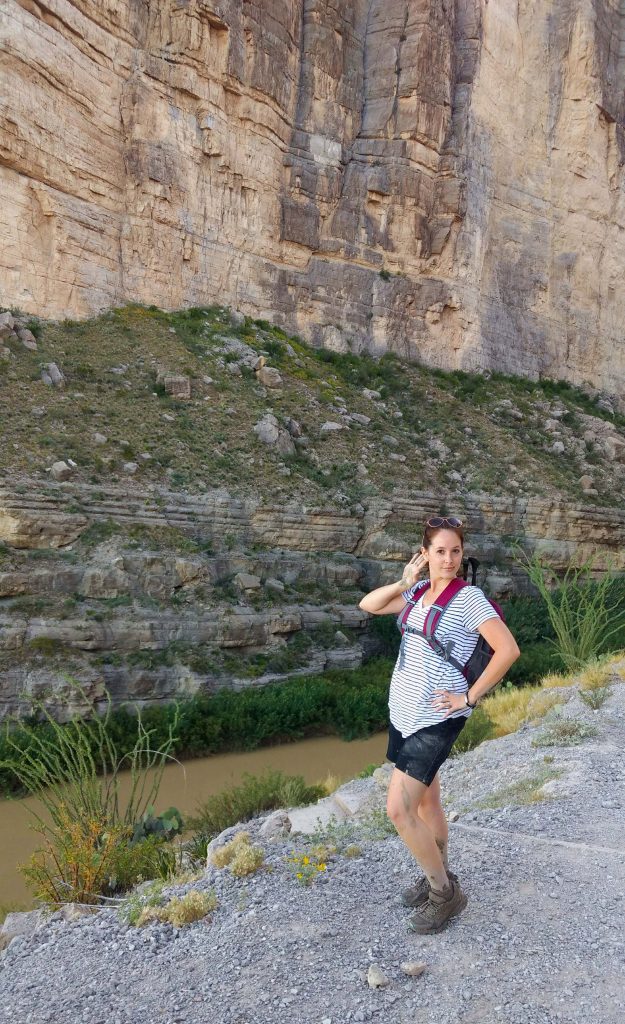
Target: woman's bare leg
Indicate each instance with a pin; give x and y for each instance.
(432, 814)
(404, 799)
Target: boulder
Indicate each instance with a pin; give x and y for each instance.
(246, 581)
(275, 825)
(178, 385)
(293, 427)
(61, 471)
(269, 377)
(357, 797)
(310, 819)
(27, 339)
(55, 375)
(271, 433)
(21, 925)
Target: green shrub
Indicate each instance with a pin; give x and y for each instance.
(90, 845)
(384, 629)
(596, 698)
(536, 661)
(563, 732)
(587, 614)
(253, 796)
(478, 728)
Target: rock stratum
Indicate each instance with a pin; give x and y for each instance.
(151, 597)
(443, 180)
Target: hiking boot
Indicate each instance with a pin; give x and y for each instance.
(418, 893)
(433, 915)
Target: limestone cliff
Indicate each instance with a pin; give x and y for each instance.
(180, 593)
(439, 178)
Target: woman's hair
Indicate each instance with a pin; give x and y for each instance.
(430, 532)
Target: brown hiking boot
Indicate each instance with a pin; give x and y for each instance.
(433, 915)
(418, 893)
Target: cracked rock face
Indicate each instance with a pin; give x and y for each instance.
(443, 179)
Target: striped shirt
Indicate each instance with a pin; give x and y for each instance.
(421, 670)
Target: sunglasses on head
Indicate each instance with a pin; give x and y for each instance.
(436, 521)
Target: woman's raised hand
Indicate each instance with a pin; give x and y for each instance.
(414, 568)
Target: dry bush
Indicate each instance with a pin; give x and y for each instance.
(557, 679)
(248, 860)
(223, 855)
(75, 860)
(239, 856)
(330, 784)
(595, 676)
(507, 709)
(181, 910)
(543, 702)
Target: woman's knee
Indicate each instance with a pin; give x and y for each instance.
(402, 804)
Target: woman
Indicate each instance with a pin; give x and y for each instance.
(429, 704)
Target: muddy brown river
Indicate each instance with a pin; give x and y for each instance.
(184, 787)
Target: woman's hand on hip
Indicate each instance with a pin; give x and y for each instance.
(448, 702)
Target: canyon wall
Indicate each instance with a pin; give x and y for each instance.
(110, 587)
(438, 178)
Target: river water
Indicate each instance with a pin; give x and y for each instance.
(187, 785)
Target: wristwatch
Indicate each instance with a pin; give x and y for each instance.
(468, 702)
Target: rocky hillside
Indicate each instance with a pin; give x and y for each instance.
(443, 180)
(196, 500)
(202, 399)
(273, 949)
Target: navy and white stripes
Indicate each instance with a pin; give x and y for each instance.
(419, 671)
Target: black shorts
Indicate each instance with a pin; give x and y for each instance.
(421, 754)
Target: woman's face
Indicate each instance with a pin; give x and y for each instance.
(444, 554)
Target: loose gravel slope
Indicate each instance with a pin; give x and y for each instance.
(540, 942)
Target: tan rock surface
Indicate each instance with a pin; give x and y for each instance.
(443, 179)
(149, 624)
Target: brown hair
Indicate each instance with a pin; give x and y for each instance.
(430, 532)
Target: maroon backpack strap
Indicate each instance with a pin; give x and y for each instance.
(417, 591)
(433, 617)
(437, 608)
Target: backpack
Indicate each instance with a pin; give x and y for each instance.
(483, 652)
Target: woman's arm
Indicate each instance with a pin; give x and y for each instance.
(506, 652)
(388, 600)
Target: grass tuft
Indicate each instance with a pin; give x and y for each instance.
(508, 709)
(179, 911)
(557, 679)
(564, 732)
(596, 697)
(521, 793)
(239, 856)
(595, 676)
